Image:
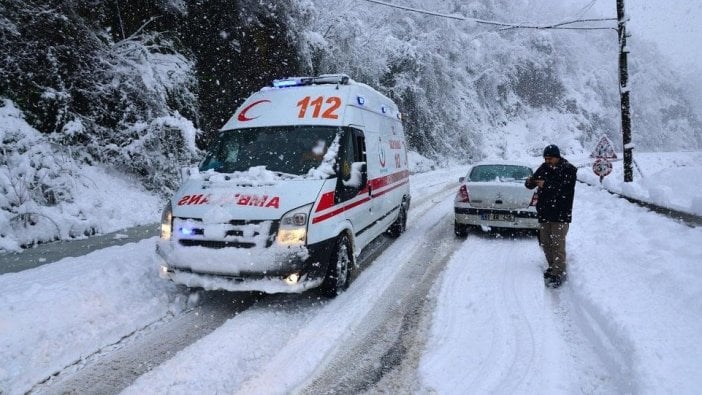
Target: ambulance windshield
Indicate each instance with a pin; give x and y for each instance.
(290, 150)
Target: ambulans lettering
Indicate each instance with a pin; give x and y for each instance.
(274, 202)
(238, 199)
(330, 111)
(183, 200)
(196, 199)
(242, 115)
(257, 201)
(244, 200)
(395, 144)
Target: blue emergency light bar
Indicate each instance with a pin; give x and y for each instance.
(342, 79)
(288, 82)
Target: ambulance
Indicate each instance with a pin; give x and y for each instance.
(305, 174)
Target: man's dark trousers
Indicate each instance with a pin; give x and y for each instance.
(552, 238)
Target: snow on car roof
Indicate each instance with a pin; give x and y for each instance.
(501, 162)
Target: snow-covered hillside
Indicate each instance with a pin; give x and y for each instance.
(474, 90)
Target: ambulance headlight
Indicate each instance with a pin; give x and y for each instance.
(293, 226)
(167, 222)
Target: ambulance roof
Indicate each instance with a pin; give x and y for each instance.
(320, 100)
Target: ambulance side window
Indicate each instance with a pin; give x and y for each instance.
(360, 146)
(352, 150)
(346, 156)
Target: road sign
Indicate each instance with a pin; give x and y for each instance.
(602, 167)
(604, 149)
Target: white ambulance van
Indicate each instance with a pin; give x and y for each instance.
(302, 177)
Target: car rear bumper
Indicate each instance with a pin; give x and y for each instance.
(518, 219)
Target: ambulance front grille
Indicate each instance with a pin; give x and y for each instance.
(215, 244)
(245, 238)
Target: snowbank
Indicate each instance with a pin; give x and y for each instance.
(47, 196)
(667, 179)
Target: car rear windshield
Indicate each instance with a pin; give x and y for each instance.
(291, 149)
(499, 173)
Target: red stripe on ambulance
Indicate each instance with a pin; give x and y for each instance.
(396, 180)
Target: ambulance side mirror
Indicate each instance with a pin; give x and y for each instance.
(461, 179)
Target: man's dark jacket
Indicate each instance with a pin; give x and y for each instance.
(556, 197)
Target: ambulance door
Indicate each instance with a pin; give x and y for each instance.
(352, 191)
(385, 198)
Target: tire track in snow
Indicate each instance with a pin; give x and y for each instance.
(116, 366)
(588, 339)
(510, 359)
(501, 331)
(383, 353)
(352, 315)
(644, 286)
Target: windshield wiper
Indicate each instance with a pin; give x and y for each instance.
(284, 175)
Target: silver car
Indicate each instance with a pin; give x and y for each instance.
(493, 195)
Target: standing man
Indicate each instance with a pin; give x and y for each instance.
(555, 179)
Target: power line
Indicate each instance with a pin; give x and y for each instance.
(507, 25)
(623, 51)
(401, 7)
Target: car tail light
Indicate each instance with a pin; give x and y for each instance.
(463, 195)
(534, 199)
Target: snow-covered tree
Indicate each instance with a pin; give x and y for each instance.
(465, 87)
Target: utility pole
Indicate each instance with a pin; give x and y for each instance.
(624, 93)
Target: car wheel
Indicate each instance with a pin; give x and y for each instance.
(337, 277)
(400, 225)
(461, 230)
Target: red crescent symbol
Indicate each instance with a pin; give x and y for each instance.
(242, 115)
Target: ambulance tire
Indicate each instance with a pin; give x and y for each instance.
(400, 225)
(337, 277)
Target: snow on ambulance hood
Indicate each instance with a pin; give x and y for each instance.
(256, 194)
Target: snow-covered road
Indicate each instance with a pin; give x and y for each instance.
(628, 320)
(498, 329)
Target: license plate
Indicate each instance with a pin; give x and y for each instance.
(496, 217)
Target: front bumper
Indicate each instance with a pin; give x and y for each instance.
(520, 219)
(275, 269)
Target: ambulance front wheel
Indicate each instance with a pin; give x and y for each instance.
(337, 277)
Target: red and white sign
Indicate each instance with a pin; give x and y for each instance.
(602, 167)
(604, 149)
